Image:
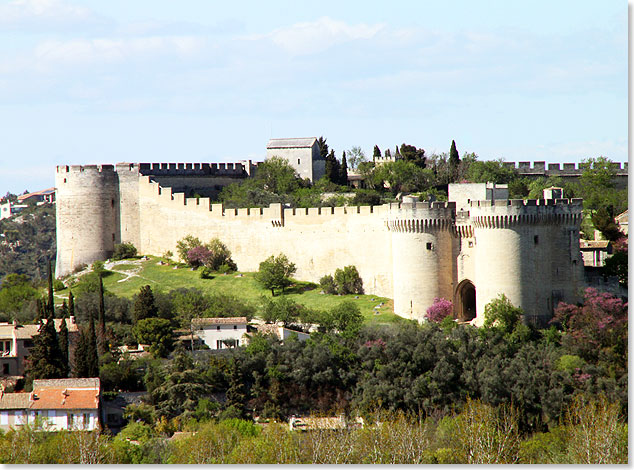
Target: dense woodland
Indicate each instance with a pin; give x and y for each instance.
(438, 392)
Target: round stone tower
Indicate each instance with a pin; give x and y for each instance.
(86, 215)
(528, 251)
(422, 254)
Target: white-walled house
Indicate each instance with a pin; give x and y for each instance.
(221, 333)
(69, 404)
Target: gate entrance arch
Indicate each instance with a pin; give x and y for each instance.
(465, 301)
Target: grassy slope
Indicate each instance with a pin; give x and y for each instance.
(165, 278)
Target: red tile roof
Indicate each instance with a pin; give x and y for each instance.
(65, 399)
(219, 321)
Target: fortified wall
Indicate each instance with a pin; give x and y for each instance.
(411, 251)
(567, 171)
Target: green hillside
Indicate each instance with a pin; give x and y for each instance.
(125, 278)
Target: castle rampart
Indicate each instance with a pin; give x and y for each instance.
(411, 251)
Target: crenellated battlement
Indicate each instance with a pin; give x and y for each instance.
(557, 169)
(241, 168)
(507, 213)
(70, 169)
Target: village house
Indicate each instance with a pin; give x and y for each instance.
(221, 333)
(58, 404)
(16, 342)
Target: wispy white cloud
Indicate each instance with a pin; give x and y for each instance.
(317, 36)
(47, 15)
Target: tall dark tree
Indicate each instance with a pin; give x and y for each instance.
(454, 158)
(40, 310)
(414, 155)
(144, 306)
(86, 358)
(62, 338)
(397, 154)
(343, 170)
(45, 360)
(333, 168)
(102, 341)
(71, 304)
(377, 152)
(388, 153)
(63, 311)
(323, 147)
(50, 304)
(236, 395)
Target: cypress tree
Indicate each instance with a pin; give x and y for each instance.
(454, 159)
(332, 168)
(39, 308)
(377, 152)
(343, 171)
(71, 304)
(50, 306)
(63, 343)
(101, 336)
(144, 306)
(45, 360)
(397, 154)
(323, 147)
(236, 396)
(388, 154)
(86, 359)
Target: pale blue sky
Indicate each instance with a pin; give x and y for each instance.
(104, 81)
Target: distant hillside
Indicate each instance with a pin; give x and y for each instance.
(27, 241)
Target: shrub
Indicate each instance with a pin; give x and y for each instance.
(348, 281)
(186, 244)
(327, 284)
(439, 310)
(226, 268)
(206, 273)
(124, 251)
(58, 285)
(198, 256)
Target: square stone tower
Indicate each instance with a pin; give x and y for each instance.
(301, 153)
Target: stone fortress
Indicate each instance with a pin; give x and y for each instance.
(469, 250)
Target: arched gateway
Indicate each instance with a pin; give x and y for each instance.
(465, 301)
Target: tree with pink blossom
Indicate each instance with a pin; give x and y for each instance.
(440, 309)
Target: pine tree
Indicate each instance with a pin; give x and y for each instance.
(144, 306)
(377, 153)
(45, 360)
(63, 343)
(343, 171)
(101, 335)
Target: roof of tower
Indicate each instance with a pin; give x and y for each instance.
(291, 143)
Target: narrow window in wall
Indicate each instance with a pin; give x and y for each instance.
(5, 369)
(218, 328)
(429, 245)
(113, 237)
(112, 202)
(536, 239)
(470, 244)
(298, 161)
(235, 327)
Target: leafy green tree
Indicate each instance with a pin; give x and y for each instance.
(16, 292)
(617, 264)
(356, 156)
(281, 310)
(411, 154)
(494, 171)
(157, 332)
(275, 273)
(603, 221)
(596, 186)
(328, 285)
(348, 281)
(402, 176)
(144, 306)
(186, 244)
(345, 318)
(124, 251)
(500, 313)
